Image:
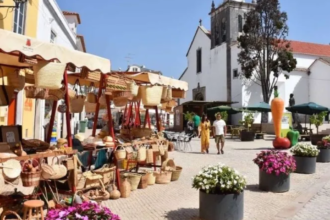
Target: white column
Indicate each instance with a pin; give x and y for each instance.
(39, 120)
(20, 108)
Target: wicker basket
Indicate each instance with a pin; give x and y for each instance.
(125, 132)
(144, 180)
(91, 97)
(142, 154)
(141, 132)
(102, 100)
(178, 94)
(56, 94)
(120, 153)
(8, 212)
(176, 173)
(11, 170)
(163, 177)
(32, 92)
(108, 173)
(16, 80)
(115, 83)
(76, 104)
(151, 95)
(168, 165)
(133, 179)
(95, 75)
(120, 102)
(68, 163)
(29, 178)
(46, 170)
(49, 75)
(133, 88)
(151, 178)
(166, 94)
(90, 107)
(72, 93)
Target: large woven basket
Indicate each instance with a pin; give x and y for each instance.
(32, 92)
(133, 88)
(144, 180)
(151, 178)
(56, 94)
(95, 75)
(142, 154)
(49, 75)
(168, 165)
(178, 94)
(166, 94)
(29, 178)
(115, 83)
(133, 179)
(163, 177)
(120, 102)
(76, 104)
(16, 80)
(120, 153)
(176, 173)
(151, 95)
(90, 107)
(141, 132)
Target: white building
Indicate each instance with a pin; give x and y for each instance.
(212, 71)
(58, 27)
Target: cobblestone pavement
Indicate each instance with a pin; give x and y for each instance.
(307, 199)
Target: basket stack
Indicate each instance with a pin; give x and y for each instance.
(169, 166)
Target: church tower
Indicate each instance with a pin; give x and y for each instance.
(227, 22)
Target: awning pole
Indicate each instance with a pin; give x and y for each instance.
(67, 112)
(97, 109)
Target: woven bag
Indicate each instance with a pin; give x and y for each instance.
(141, 132)
(11, 170)
(133, 179)
(176, 173)
(16, 79)
(76, 105)
(120, 102)
(107, 172)
(178, 94)
(163, 177)
(120, 153)
(90, 107)
(151, 178)
(32, 92)
(49, 75)
(91, 96)
(144, 180)
(29, 178)
(115, 83)
(133, 88)
(125, 188)
(56, 94)
(46, 170)
(95, 76)
(142, 154)
(60, 170)
(151, 95)
(166, 94)
(150, 155)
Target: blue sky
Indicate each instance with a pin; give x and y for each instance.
(157, 33)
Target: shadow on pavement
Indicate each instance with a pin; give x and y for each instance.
(253, 188)
(184, 213)
(261, 148)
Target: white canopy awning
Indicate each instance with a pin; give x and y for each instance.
(156, 79)
(13, 45)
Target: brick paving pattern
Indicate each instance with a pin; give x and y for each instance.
(178, 201)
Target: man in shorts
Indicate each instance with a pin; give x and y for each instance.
(219, 132)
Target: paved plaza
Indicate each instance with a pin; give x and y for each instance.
(308, 198)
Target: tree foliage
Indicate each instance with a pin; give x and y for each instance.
(265, 51)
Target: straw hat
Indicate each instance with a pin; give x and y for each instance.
(80, 137)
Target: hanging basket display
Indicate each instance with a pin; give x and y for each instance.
(49, 75)
(141, 132)
(115, 83)
(90, 107)
(151, 95)
(166, 94)
(133, 88)
(178, 94)
(32, 92)
(16, 80)
(76, 104)
(56, 94)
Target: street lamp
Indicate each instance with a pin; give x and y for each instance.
(17, 3)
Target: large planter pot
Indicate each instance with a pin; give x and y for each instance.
(324, 156)
(305, 165)
(273, 183)
(316, 138)
(221, 207)
(247, 135)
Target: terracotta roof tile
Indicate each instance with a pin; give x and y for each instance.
(73, 13)
(310, 48)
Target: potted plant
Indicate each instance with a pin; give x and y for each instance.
(324, 148)
(86, 210)
(317, 120)
(224, 115)
(305, 156)
(275, 168)
(221, 193)
(247, 134)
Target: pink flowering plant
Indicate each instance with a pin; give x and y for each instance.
(84, 211)
(275, 162)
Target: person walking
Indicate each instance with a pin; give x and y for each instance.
(219, 132)
(204, 134)
(197, 120)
